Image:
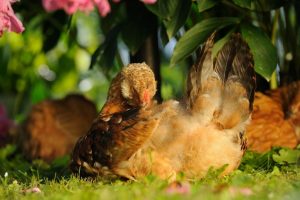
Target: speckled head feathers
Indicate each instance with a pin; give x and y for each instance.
(138, 82)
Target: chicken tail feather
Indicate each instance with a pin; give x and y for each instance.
(221, 89)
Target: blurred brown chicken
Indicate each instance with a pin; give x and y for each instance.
(275, 119)
(53, 127)
(207, 130)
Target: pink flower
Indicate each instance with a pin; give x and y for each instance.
(8, 20)
(69, 6)
(103, 7)
(52, 5)
(149, 1)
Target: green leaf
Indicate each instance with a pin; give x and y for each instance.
(139, 25)
(287, 156)
(39, 92)
(105, 53)
(154, 8)
(260, 5)
(7, 151)
(52, 29)
(220, 43)
(172, 13)
(243, 3)
(167, 8)
(163, 35)
(197, 35)
(178, 17)
(206, 4)
(264, 53)
(115, 17)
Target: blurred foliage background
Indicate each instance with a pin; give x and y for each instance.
(80, 53)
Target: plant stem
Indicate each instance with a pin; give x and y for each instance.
(273, 82)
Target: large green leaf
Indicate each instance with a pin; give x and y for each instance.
(52, 29)
(167, 7)
(115, 17)
(163, 8)
(105, 53)
(206, 4)
(264, 53)
(243, 3)
(139, 24)
(178, 18)
(260, 5)
(197, 35)
(154, 8)
(172, 13)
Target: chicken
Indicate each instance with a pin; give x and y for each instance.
(53, 127)
(122, 125)
(275, 119)
(207, 130)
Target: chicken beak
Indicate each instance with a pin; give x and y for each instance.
(145, 98)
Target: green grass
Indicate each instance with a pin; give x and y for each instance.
(274, 175)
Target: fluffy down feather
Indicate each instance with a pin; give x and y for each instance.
(207, 130)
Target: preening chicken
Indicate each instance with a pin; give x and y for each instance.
(206, 130)
(125, 122)
(275, 119)
(53, 127)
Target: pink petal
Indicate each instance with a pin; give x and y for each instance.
(8, 19)
(16, 24)
(71, 6)
(32, 190)
(36, 190)
(178, 188)
(149, 1)
(86, 5)
(103, 7)
(52, 5)
(243, 191)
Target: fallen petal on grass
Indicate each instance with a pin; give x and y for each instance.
(234, 191)
(178, 188)
(32, 190)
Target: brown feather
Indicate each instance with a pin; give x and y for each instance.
(275, 119)
(188, 138)
(206, 131)
(122, 126)
(53, 126)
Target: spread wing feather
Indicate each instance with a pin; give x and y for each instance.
(111, 140)
(221, 89)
